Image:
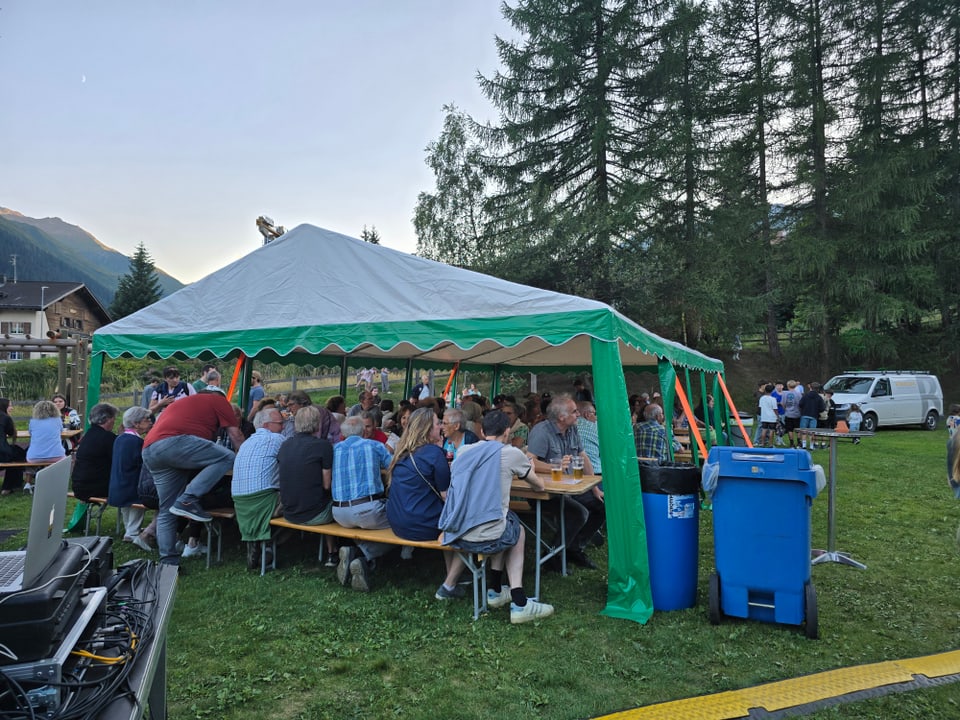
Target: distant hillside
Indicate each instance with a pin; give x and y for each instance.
(51, 249)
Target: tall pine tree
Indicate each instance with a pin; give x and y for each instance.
(563, 153)
(138, 288)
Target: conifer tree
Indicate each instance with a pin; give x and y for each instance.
(564, 155)
(138, 288)
(371, 236)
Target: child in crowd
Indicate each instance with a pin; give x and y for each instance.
(854, 418)
(953, 419)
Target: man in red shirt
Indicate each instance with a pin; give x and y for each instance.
(180, 443)
(370, 429)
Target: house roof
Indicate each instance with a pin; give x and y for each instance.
(29, 294)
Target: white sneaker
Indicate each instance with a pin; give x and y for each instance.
(141, 542)
(498, 599)
(194, 551)
(533, 610)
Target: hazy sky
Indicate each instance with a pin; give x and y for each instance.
(177, 123)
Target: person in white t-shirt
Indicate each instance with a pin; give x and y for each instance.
(768, 415)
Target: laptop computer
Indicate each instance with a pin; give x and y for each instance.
(19, 569)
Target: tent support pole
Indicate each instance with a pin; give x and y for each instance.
(343, 376)
(245, 386)
(93, 386)
(408, 378)
(667, 376)
(628, 577)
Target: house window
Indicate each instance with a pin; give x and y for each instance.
(17, 328)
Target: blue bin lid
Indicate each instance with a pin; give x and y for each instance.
(781, 464)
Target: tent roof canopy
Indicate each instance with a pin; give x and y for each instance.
(319, 292)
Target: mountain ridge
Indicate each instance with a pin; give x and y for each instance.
(53, 249)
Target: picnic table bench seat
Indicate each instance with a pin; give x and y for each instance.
(476, 565)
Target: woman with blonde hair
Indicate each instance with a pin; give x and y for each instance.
(45, 427)
(419, 478)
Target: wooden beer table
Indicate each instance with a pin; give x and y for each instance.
(562, 489)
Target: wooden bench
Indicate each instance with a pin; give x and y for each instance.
(96, 506)
(476, 566)
(28, 464)
(214, 528)
(28, 467)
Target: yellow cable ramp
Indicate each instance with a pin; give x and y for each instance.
(883, 677)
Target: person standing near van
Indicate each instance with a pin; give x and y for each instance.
(791, 412)
(768, 416)
(811, 405)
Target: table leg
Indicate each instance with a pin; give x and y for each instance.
(831, 554)
(563, 536)
(536, 588)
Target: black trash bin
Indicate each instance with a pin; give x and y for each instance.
(671, 512)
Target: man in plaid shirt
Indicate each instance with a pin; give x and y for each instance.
(359, 499)
(650, 435)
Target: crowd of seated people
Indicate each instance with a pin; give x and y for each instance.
(372, 464)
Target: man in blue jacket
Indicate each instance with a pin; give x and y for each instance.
(477, 516)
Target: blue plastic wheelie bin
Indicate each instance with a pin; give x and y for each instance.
(761, 536)
(671, 513)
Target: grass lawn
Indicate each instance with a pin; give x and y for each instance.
(294, 644)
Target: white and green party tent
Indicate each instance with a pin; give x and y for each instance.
(321, 294)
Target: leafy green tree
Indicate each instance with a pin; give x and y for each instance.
(450, 221)
(138, 288)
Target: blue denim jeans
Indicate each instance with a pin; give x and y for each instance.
(172, 461)
(369, 516)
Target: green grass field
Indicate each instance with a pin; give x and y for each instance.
(294, 644)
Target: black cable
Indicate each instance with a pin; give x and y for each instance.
(127, 626)
(23, 707)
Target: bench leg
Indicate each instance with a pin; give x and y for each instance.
(477, 568)
(214, 531)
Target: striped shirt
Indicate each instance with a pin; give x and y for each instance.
(356, 468)
(255, 468)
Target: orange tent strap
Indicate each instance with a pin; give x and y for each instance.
(236, 377)
(453, 374)
(691, 420)
(733, 410)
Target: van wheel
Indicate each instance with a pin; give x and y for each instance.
(930, 422)
(869, 423)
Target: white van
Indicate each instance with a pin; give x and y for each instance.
(889, 397)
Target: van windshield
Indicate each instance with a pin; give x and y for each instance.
(849, 384)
